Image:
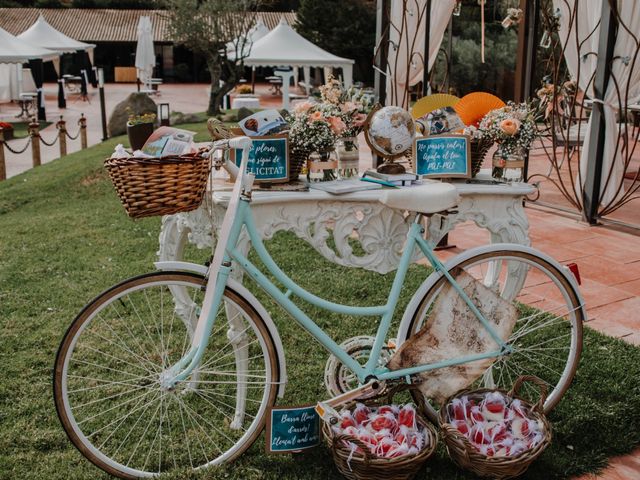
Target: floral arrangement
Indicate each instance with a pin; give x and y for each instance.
(514, 17)
(552, 97)
(139, 119)
(317, 126)
(243, 89)
(513, 127)
(6, 126)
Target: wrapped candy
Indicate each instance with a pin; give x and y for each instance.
(361, 413)
(407, 416)
(384, 421)
(493, 407)
(496, 425)
(389, 431)
(346, 420)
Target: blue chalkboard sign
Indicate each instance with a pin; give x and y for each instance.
(443, 156)
(268, 159)
(290, 429)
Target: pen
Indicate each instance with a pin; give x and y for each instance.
(380, 182)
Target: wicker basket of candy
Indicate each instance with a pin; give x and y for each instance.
(377, 440)
(495, 433)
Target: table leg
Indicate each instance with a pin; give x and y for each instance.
(507, 223)
(175, 231)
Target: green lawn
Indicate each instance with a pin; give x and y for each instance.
(64, 238)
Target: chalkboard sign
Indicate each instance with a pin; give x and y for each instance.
(290, 429)
(443, 156)
(268, 159)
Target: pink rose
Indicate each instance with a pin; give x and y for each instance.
(337, 125)
(510, 126)
(359, 119)
(302, 107)
(316, 117)
(349, 106)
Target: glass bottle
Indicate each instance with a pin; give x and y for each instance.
(348, 157)
(508, 166)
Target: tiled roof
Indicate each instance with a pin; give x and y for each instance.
(104, 25)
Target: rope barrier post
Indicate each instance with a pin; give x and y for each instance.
(3, 165)
(83, 131)
(35, 141)
(62, 135)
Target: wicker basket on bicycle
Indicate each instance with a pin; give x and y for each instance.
(360, 464)
(495, 463)
(159, 186)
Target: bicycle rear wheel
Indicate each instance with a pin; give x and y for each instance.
(546, 337)
(106, 382)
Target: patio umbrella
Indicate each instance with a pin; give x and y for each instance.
(145, 56)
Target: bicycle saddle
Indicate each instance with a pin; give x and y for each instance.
(429, 197)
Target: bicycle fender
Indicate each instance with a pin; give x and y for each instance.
(413, 305)
(253, 301)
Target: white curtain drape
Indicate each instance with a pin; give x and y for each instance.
(580, 33)
(405, 60)
(9, 82)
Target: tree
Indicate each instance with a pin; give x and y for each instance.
(346, 29)
(207, 27)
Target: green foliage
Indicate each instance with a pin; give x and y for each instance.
(346, 29)
(206, 27)
(468, 73)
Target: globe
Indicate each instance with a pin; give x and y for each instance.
(391, 131)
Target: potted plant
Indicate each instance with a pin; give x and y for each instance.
(7, 130)
(139, 129)
(244, 90)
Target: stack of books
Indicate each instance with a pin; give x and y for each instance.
(398, 179)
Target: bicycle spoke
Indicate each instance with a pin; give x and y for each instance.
(113, 367)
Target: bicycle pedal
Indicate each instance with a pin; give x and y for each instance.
(327, 409)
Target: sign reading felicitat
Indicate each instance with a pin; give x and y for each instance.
(443, 156)
(268, 159)
(291, 429)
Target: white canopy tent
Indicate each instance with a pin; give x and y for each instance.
(13, 53)
(42, 34)
(254, 34)
(284, 47)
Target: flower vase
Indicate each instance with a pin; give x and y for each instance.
(508, 164)
(348, 157)
(321, 166)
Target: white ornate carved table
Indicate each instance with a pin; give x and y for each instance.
(316, 216)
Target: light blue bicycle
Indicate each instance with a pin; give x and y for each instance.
(177, 368)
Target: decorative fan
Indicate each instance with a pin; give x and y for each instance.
(433, 102)
(473, 107)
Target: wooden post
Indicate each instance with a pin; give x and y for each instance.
(83, 131)
(35, 141)
(62, 136)
(3, 165)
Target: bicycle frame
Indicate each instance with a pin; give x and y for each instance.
(243, 218)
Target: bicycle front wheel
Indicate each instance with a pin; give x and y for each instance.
(107, 378)
(544, 331)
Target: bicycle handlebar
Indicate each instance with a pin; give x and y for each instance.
(243, 143)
